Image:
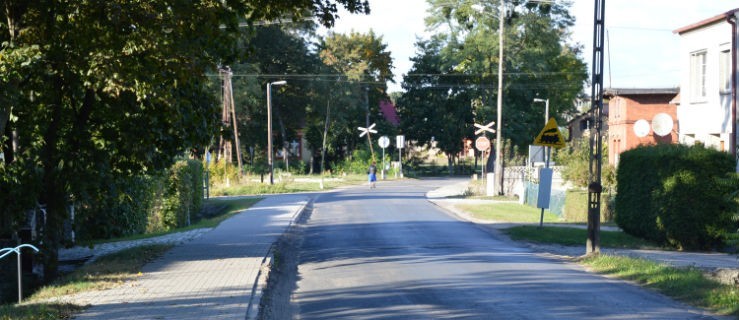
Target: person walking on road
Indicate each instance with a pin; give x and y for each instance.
(372, 175)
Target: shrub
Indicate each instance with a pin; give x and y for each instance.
(671, 194)
(576, 206)
(118, 207)
(357, 163)
(181, 196)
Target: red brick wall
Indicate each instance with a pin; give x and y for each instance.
(626, 110)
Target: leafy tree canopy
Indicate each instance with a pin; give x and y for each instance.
(98, 88)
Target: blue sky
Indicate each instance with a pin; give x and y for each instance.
(642, 47)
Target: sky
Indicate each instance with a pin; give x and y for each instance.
(641, 48)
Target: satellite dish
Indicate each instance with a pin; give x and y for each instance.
(641, 128)
(662, 124)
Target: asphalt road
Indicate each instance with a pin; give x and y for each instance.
(388, 253)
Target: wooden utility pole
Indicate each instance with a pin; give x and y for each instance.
(228, 117)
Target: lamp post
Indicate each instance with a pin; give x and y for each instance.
(547, 154)
(546, 108)
(269, 128)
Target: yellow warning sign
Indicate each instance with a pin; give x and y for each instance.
(550, 136)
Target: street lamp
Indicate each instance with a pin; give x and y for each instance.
(546, 108)
(269, 128)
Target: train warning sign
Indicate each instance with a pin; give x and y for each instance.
(550, 136)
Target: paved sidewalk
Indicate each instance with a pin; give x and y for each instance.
(724, 267)
(210, 277)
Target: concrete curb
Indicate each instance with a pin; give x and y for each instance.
(260, 283)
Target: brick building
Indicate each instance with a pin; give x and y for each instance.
(627, 106)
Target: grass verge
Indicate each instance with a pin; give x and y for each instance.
(112, 270)
(288, 185)
(684, 284)
(574, 236)
(508, 212)
(106, 272)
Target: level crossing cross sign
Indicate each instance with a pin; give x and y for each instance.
(367, 130)
(550, 136)
(484, 128)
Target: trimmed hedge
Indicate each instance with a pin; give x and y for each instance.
(671, 194)
(181, 196)
(133, 205)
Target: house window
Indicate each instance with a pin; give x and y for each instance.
(724, 60)
(698, 75)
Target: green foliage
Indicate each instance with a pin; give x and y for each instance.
(100, 88)
(452, 83)
(358, 163)
(118, 208)
(568, 236)
(673, 194)
(688, 285)
(576, 206)
(181, 195)
(575, 159)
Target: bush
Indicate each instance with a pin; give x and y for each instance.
(118, 207)
(181, 196)
(357, 163)
(671, 194)
(576, 206)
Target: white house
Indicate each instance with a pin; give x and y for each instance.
(708, 96)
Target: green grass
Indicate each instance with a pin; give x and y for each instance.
(112, 270)
(574, 236)
(106, 272)
(508, 212)
(684, 284)
(287, 185)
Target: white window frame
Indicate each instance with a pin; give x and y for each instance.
(698, 80)
(724, 60)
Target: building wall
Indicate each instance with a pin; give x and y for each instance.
(627, 110)
(705, 120)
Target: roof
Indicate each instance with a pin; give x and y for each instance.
(612, 92)
(709, 21)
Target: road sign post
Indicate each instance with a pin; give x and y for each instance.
(548, 137)
(399, 142)
(384, 142)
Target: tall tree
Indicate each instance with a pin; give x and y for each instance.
(96, 88)
(539, 61)
(365, 66)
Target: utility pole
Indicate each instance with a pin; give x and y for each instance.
(366, 107)
(228, 117)
(498, 138)
(596, 142)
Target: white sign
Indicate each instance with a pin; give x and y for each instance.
(399, 141)
(484, 128)
(367, 130)
(482, 144)
(384, 141)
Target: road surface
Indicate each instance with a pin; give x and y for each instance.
(388, 253)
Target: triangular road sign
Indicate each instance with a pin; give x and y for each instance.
(550, 136)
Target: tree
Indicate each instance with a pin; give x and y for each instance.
(538, 62)
(365, 66)
(435, 106)
(103, 88)
(575, 159)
